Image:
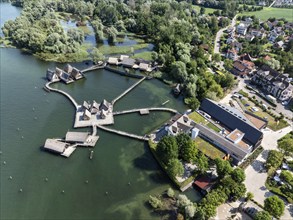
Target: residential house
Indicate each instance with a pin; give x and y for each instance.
(237, 46)
(278, 45)
(241, 29)
(249, 37)
(232, 54)
(76, 74)
(94, 107)
(240, 69)
(273, 82)
(86, 105)
(273, 36)
(230, 40)
(204, 183)
(143, 66)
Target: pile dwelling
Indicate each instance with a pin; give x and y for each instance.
(128, 62)
(68, 75)
(94, 114)
(66, 146)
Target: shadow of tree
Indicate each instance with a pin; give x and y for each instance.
(257, 165)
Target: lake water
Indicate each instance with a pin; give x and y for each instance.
(29, 115)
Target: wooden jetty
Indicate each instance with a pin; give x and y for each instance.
(61, 92)
(123, 133)
(145, 110)
(127, 90)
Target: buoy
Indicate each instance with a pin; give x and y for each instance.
(10, 177)
(106, 193)
(46, 179)
(63, 191)
(33, 109)
(4, 162)
(86, 181)
(129, 183)
(35, 118)
(18, 129)
(22, 137)
(0, 152)
(20, 190)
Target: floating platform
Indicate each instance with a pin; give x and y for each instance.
(144, 111)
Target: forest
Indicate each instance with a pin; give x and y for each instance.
(181, 35)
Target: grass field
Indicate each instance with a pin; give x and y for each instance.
(207, 11)
(267, 13)
(208, 149)
(105, 49)
(201, 120)
(147, 55)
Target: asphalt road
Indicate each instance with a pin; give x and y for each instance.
(220, 33)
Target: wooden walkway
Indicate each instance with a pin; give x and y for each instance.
(95, 67)
(47, 86)
(123, 133)
(145, 109)
(127, 90)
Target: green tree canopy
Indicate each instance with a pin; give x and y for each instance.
(175, 168)
(186, 146)
(274, 159)
(167, 149)
(262, 215)
(286, 146)
(223, 167)
(274, 205)
(238, 175)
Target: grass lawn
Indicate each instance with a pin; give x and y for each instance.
(207, 11)
(147, 55)
(105, 49)
(208, 149)
(201, 120)
(197, 118)
(267, 13)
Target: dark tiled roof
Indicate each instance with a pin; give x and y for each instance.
(232, 120)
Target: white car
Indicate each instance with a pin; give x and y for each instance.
(285, 103)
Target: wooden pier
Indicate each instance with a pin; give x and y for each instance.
(145, 110)
(123, 133)
(127, 90)
(47, 86)
(94, 67)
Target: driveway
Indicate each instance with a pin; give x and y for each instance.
(255, 181)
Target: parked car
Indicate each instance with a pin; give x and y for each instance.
(285, 103)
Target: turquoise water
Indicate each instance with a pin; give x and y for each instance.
(29, 115)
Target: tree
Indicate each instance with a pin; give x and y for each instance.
(97, 55)
(178, 71)
(167, 149)
(202, 10)
(190, 210)
(192, 102)
(202, 162)
(249, 196)
(286, 146)
(175, 168)
(223, 167)
(155, 202)
(186, 146)
(238, 175)
(274, 159)
(170, 193)
(112, 33)
(183, 201)
(274, 205)
(262, 215)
